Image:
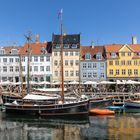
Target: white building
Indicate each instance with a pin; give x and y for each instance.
(40, 62)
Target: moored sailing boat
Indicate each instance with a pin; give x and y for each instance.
(60, 108)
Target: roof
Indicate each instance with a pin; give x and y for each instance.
(93, 51)
(117, 47)
(36, 48)
(67, 39)
(9, 48)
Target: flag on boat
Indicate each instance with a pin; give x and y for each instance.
(60, 13)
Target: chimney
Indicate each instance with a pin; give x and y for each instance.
(134, 40)
(37, 38)
(92, 44)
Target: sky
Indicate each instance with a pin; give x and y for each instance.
(100, 21)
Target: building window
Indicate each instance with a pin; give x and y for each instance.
(123, 71)
(123, 62)
(41, 68)
(55, 62)
(123, 54)
(89, 65)
(128, 62)
(35, 68)
(74, 46)
(4, 69)
(23, 68)
(135, 62)
(30, 58)
(41, 58)
(66, 45)
(76, 53)
(77, 73)
(47, 58)
(35, 58)
(66, 53)
(30, 68)
(71, 53)
(47, 68)
(102, 75)
(94, 65)
(113, 54)
(129, 54)
(111, 72)
(135, 72)
(117, 63)
(77, 62)
(11, 60)
(56, 73)
(110, 63)
(11, 69)
(66, 62)
(66, 73)
(94, 75)
(89, 74)
(87, 56)
(23, 58)
(71, 62)
(57, 46)
(117, 72)
(14, 51)
(98, 56)
(2, 51)
(129, 72)
(84, 74)
(84, 65)
(17, 69)
(4, 59)
(55, 53)
(17, 60)
(71, 73)
(101, 65)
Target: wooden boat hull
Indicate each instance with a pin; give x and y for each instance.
(99, 103)
(10, 99)
(132, 104)
(101, 112)
(77, 108)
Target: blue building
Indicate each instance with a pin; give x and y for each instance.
(92, 63)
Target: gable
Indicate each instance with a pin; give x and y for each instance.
(126, 48)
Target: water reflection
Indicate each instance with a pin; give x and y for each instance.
(119, 127)
(26, 128)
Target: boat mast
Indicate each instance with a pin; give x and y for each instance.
(21, 74)
(28, 37)
(61, 46)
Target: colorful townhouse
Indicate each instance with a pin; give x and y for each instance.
(71, 48)
(92, 63)
(123, 61)
(12, 58)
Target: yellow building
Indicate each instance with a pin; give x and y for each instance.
(123, 61)
(71, 48)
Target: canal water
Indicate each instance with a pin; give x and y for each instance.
(121, 126)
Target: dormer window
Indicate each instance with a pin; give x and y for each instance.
(43, 50)
(14, 51)
(57, 46)
(87, 56)
(113, 54)
(2, 51)
(74, 46)
(139, 54)
(66, 46)
(98, 56)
